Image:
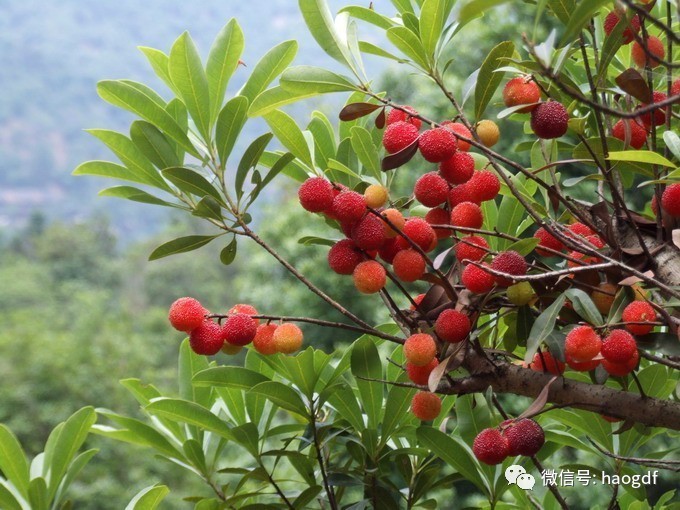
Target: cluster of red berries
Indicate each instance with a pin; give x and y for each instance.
(208, 337)
(513, 437)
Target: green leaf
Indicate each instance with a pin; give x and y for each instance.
(222, 62)
(159, 63)
(137, 431)
(524, 246)
(192, 182)
(229, 377)
(129, 98)
(320, 23)
(13, 463)
(345, 402)
(372, 49)
(366, 151)
(584, 306)
(275, 170)
(543, 327)
(281, 395)
(37, 494)
(249, 160)
(672, 142)
(408, 43)
(474, 8)
(183, 411)
(562, 9)
(190, 363)
(73, 471)
(580, 16)
(269, 67)
(433, 14)
(369, 16)
(314, 80)
(181, 245)
(230, 122)
(274, 98)
(488, 80)
(7, 499)
(153, 144)
(148, 498)
(396, 409)
(651, 157)
(365, 363)
(228, 253)
(290, 135)
(189, 77)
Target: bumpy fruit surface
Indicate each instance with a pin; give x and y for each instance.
(654, 47)
(460, 194)
(348, 206)
(581, 366)
(628, 36)
(395, 217)
(389, 250)
(545, 362)
(420, 232)
(459, 130)
(431, 189)
(186, 314)
(619, 347)
(621, 369)
(525, 437)
(316, 194)
(244, 308)
(408, 265)
(439, 216)
(547, 240)
(477, 280)
(659, 117)
(375, 196)
(471, 248)
(437, 145)
(521, 90)
(675, 87)
(287, 338)
(670, 200)
(369, 232)
(549, 120)
(401, 116)
(344, 256)
(521, 293)
(484, 185)
(582, 344)
(420, 375)
(509, 262)
(420, 349)
(207, 338)
(604, 296)
(264, 339)
(490, 447)
(488, 132)
(426, 406)
(467, 215)
(239, 329)
(369, 277)
(452, 326)
(639, 311)
(630, 132)
(398, 136)
(458, 168)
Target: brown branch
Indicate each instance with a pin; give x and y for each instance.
(671, 465)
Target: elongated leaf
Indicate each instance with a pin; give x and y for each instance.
(229, 377)
(475, 8)
(289, 134)
(13, 463)
(222, 62)
(148, 498)
(396, 407)
(640, 156)
(249, 160)
(584, 306)
(408, 43)
(369, 16)
(543, 327)
(183, 411)
(192, 182)
(320, 23)
(37, 494)
(315, 80)
(672, 142)
(73, 471)
(159, 63)
(153, 144)
(274, 98)
(281, 395)
(366, 151)
(488, 80)
(7, 499)
(272, 64)
(180, 245)
(128, 97)
(355, 111)
(143, 433)
(562, 9)
(230, 122)
(189, 77)
(365, 363)
(433, 14)
(345, 402)
(580, 16)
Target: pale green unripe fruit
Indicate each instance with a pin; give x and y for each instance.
(521, 293)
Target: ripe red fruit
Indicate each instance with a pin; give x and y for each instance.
(472, 248)
(675, 87)
(420, 232)
(264, 339)
(659, 113)
(398, 136)
(549, 120)
(420, 349)
(439, 216)
(186, 314)
(579, 229)
(431, 189)
(369, 233)
(417, 300)
(477, 280)
(458, 168)
(420, 375)
(621, 369)
(654, 47)
(287, 338)
(490, 447)
(545, 362)
(401, 116)
(395, 217)
(239, 329)
(344, 256)
(581, 366)
(467, 215)
(582, 344)
(525, 437)
(426, 406)
(521, 90)
(509, 262)
(461, 193)
(244, 308)
(207, 338)
(409, 265)
(389, 250)
(547, 240)
(483, 186)
(452, 326)
(459, 130)
(348, 207)
(636, 135)
(628, 36)
(670, 200)
(639, 311)
(437, 145)
(369, 277)
(619, 346)
(316, 194)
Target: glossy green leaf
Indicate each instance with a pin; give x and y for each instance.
(544, 326)
(249, 160)
(276, 97)
(672, 142)
(562, 9)
(640, 156)
(347, 406)
(153, 144)
(247, 436)
(315, 80)
(320, 23)
(366, 364)
(228, 253)
(229, 377)
(366, 151)
(281, 395)
(208, 207)
(230, 122)
(13, 463)
(190, 363)
(222, 62)
(369, 16)
(190, 181)
(73, 471)
(183, 411)
(290, 135)
(584, 306)
(433, 14)
(580, 17)
(408, 43)
(159, 63)
(188, 75)
(148, 498)
(139, 432)
(181, 245)
(488, 80)
(7, 498)
(271, 65)
(396, 408)
(474, 8)
(37, 494)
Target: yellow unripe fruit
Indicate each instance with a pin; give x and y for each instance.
(396, 218)
(287, 338)
(375, 196)
(604, 297)
(521, 293)
(488, 132)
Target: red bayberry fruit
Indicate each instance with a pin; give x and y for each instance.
(369, 233)
(630, 132)
(244, 308)
(426, 406)
(264, 339)
(509, 262)
(348, 207)
(467, 215)
(545, 362)
(619, 346)
(401, 116)
(420, 349)
(547, 240)
(369, 277)
(621, 369)
(207, 338)
(525, 437)
(458, 168)
(420, 375)
(639, 311)
(670, 200)
(395, 217)
(521, 90)
(471, 248)
(581, 366)
(344, 256)
(439, 216)
(398, 136)
(628, 36)
(239, 329)
(459, 130)
(659, 113)
(675, 87)
(417, 300)
(490, 447)
(420, 232)
(452, 326)
(579, 229)
(655, 49)
(582, 344)
(461, 193)
(409, 265)
(431, 189)
(316, 194)
(437, 145)
(483, 186)
(549, 120)
(287, 338)
(186, 314)
(477, 280)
